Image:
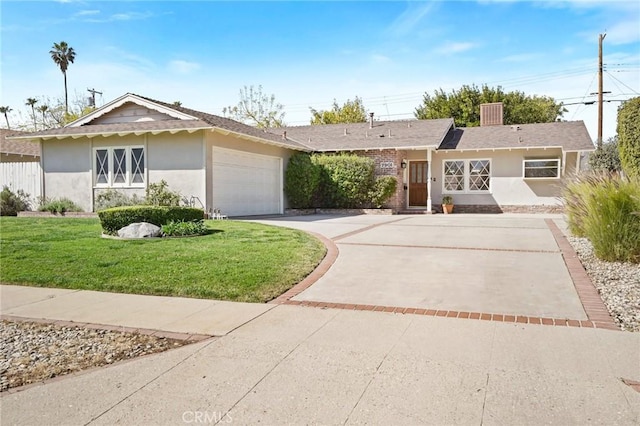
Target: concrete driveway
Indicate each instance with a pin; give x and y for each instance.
(499, 264)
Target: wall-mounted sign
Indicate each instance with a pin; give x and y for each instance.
(387, 165)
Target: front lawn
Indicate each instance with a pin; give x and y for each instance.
(239, 261)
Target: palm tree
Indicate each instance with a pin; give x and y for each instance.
(5, 110)
(63, 55)
(43, 109)
(31, 102)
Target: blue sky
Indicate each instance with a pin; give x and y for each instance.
(310, 53)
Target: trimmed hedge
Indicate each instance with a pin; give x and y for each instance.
(346, 180)
(118, 217)
(301, 180)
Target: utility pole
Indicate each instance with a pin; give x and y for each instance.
(600, 69)
(93, 96)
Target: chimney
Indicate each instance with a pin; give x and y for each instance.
(371, 120)
(491, 114)
(284, 135)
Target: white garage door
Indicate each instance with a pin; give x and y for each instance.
(245, 183)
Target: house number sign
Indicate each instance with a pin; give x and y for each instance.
(387, 165)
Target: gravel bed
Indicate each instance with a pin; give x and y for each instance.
(32, 352)
(618, 284)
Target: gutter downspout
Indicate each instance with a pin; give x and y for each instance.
(429, 181)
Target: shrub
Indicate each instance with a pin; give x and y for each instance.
(159, 195)
(383, 189)
(604, 208)
(301, 181)
(112, 198)
(607, 158)
(629, 136)
(13, 202)
(118, 217)
(184, 229)
(346, 180)
(59, 206)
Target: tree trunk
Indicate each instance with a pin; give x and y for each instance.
(66, 99)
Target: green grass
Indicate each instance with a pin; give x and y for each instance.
(238, 261)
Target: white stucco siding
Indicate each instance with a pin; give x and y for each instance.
(179, 160)
(67, 170)
(508, 187)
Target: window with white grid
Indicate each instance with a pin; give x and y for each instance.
(466, 176)
(119, 167)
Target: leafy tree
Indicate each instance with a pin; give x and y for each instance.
(256, 108)
(351, 112)
(43, 109)
(6, 110)
(32, 102)
(63, 55)
(606, 157)
(463, 106)
(629, 136)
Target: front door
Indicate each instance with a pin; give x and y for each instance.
(418, 183)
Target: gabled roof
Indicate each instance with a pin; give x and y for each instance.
(184, 119)
(409, 134)
(17, 147)
(568, 135)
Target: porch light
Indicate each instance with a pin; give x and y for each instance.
(403, 164)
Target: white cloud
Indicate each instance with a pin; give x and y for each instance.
(87, 13)
(624, 32)
(183, 67)
(452, 47)
(410, 18)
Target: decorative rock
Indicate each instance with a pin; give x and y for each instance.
(140, 230)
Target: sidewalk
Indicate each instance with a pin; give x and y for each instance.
(171, 315)
(302, 365)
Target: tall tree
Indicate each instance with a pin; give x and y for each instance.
(351, 112)
(629, 136)
(6, 110)
(256, 108)
(463, 106)
(43, 109)
(32, 102)
(63, 55)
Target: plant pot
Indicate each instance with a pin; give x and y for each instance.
(447, 208)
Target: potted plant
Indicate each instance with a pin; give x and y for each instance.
(447, 204)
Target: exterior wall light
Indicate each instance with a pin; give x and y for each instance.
(403, 164)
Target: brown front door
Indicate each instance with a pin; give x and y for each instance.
(418, 183)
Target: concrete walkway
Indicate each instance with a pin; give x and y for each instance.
(302, 365)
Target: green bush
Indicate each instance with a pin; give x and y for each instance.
(301, 181)
(59, 206)
(346, 180)
(607, 158)
(13, 202)
(113, 198)
(159, 195)
(185, 229)
(629, 136)
(383, 189)
(118, 217)
(605, 209)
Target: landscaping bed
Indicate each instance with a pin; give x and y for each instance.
(237, 261)
(33, 352)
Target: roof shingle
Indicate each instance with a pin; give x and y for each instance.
(17, 147)
(570, 135)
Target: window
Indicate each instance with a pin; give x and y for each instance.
(469, 176)
(119, 167)
(453, 176)
(547, 168)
